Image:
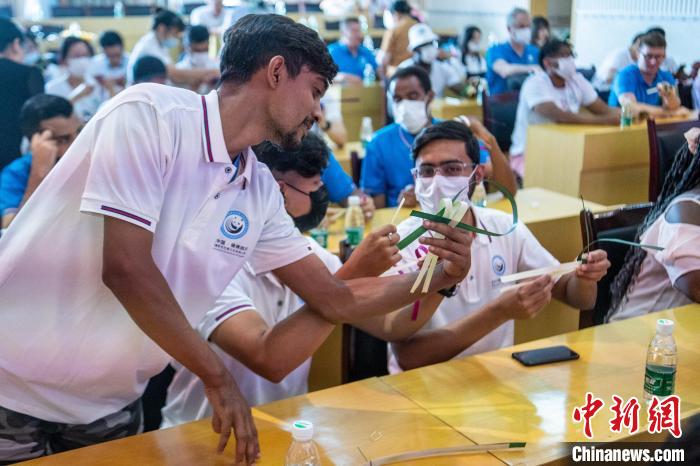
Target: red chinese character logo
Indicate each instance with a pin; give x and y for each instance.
(665, 415)
(586, 412)
(625, 416)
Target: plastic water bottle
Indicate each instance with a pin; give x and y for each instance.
(660, 374)
(354, 221)
(280, 8)
(368, 76)
(118, 9)
(479, 195)
(626, 115)
(303, 450)
(366, 131)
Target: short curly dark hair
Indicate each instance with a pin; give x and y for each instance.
(253, 40)
(309, 160)
(451, 131)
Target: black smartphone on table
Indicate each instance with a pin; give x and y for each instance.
(545, 355)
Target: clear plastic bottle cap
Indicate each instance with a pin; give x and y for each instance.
(302, 431)
(664, 326)
(353, 200)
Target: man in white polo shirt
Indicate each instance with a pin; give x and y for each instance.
(479, 317)
(177, 204)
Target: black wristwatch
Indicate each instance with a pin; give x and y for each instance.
(449, 292)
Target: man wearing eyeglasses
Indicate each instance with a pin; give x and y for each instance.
(49, 123)
(644, 85)
(477, 315)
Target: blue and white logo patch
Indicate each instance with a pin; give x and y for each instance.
(499, 265)
(235, 225)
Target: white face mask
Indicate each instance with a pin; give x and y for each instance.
(566, 68)
(428, 53)
(199, 59)
(170, 42)
(429, 191)
(411, 115)
(522, 35)
(32, 58)
(77, 67)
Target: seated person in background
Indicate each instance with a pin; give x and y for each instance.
(540, 31)
(644, 85)
(76, 84)
(656, 280)
(556, 95)
(258, 326)
(394, 47)
(212, 16)
(517, 56)
(472, 59)
(479, 315)
(49, 122)
(669, 64)
(423, 43)
(614, 62)
(165, 34)
(149, 69)
(109, 67)
(386, 168)
(197, 55)
(350, 55)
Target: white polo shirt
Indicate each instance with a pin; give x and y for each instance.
(87, 106)
(153, 156)
(204, 16)
(492, 258)
(274, 302)
(147, 45)
(100, 66)
(538, 89)
(654, 288)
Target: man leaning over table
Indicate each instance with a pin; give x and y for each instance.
(257, 316)
(130, 240)
(479, 316)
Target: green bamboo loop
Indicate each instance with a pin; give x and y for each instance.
(618, 241)
(438, 218)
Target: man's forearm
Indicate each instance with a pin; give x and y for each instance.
(399, 325)
(442, 344)
(32, 184)
(502, 172)
(580, 294)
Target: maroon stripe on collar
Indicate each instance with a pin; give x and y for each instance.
(126, 214)
(206, 129)
(233, 309)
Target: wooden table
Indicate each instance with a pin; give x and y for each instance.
(356, 102)
(492, 398)
(342, 155)
(367, 414)
(447, 108)
(479, 399)
(604, 164)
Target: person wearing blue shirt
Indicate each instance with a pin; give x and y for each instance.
(49, 122)
(644, 85)
(386, 168)
(350, 55)
(340, 186)
(517, 56)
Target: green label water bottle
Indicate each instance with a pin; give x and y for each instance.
(354, 221)
(660, 374)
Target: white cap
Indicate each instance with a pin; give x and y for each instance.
(664, 326)
(353, 200)
(420, 34)
(302, 431)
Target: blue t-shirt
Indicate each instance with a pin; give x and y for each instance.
(339, 183)
(347, 63)
(13, 182)
(629, 79)
(386, 168)
(504, 51)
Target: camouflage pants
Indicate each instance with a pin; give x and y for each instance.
(23, 437)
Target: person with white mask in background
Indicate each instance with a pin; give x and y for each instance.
(75, 84)
(477, 314)
(386, 168)
(423, 44)
(164, 36)
(197, 55)
(516, 56)
(556, 95)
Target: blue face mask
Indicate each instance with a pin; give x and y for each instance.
(170, 42)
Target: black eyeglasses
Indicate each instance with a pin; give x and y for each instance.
(446, 169)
